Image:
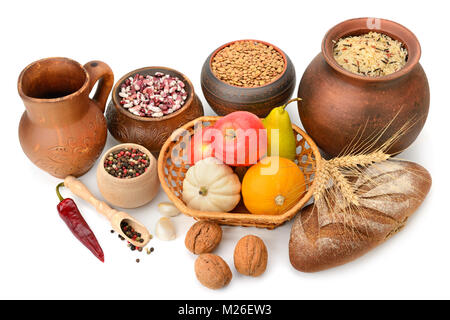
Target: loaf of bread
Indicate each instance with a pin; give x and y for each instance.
(328, 236)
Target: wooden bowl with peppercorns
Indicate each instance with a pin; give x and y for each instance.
(127, 176)
(146, 127)
(247, 75)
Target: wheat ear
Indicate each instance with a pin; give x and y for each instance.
(321, 178)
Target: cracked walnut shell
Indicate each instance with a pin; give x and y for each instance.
(250, 256)
(203, 237)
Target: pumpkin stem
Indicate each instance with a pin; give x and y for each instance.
(203, 191)
(279, 200)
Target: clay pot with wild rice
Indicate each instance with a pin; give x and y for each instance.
(148, 131)
(341, 108)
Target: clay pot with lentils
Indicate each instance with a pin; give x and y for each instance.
(247, 75)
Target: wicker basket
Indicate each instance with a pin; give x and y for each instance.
(171, 176)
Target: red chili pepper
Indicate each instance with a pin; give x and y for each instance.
(68, 211)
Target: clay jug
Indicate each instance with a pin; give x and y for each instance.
(63, 131)
(340, 108)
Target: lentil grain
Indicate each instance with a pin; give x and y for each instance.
(248, 64)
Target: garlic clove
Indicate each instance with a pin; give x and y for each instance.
(167, 209)
(165, 230)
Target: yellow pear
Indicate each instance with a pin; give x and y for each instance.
(281, 139)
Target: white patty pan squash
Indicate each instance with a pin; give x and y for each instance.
(211, 186)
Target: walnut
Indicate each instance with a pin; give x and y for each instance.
(250, 256)
(212, 271)
(203, 237)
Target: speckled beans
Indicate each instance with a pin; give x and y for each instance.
(152, 96)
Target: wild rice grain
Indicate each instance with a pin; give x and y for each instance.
(372, 54)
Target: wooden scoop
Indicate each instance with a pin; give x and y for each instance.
(115, 217)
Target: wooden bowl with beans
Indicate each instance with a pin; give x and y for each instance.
(141, 112)
(247, 75)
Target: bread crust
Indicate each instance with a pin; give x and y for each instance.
(389, 192)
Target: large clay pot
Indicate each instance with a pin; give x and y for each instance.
(340, 108)
(63, 131)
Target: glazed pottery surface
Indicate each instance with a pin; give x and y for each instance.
(128, 193)
(63, 131)
(225, 98)
(340, 108)
(150, 132)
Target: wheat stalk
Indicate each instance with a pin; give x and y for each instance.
(332, 184)
(322, 177)
(364, 160)
(347, 190)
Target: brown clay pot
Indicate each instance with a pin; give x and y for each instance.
(150, 132)
(63, 131)
(225, 98)
(339, 107)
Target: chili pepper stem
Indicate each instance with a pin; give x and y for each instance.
(292, 100)
(57, 191)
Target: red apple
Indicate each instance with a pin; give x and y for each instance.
(200, 146)
(240, 139)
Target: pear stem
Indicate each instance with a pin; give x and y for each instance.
(292, 100)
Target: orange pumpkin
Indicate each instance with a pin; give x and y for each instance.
(272, 186)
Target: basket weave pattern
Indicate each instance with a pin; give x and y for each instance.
(172, 173)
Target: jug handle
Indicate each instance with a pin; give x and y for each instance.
(101, 72)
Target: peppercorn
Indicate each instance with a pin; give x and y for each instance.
(122, 162)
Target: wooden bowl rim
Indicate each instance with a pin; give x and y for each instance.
(244, 40)
(131, 181)
(187, 104)
(254, 218)
(388, 27)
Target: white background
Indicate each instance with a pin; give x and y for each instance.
(40, 258)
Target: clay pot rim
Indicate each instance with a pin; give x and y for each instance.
(52, 100)
(170, 71)
(388, 27)
(243, 40)
(131, 181)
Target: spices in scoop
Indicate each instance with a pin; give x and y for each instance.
(372, 54)
(126, 163)
(152, 96)
(131, 233)
(248, 64)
